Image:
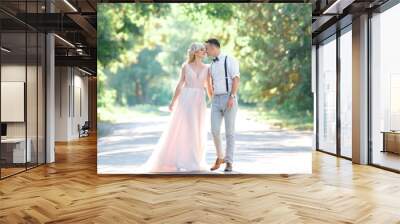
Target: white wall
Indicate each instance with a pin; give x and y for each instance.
(33, 126)
(81, 95)
(61, 103)
(70, 84)
(12, 73)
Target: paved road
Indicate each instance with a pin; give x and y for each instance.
(122, 147)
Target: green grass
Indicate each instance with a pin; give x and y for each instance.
(281, 120)
(122, 113)
(119, 114)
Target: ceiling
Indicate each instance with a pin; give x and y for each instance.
(75, 22)
(331, 15)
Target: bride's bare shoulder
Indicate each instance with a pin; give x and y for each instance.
(184, 65)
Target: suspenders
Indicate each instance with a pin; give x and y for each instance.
(226, 76)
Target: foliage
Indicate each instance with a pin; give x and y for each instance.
(142, 47)
(122, 114)
(140, 79)
(121, 29)
(280, 60)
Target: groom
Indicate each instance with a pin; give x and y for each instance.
(224, 71)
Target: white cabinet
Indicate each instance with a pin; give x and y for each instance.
(18, 149)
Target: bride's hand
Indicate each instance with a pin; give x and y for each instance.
(171, 106)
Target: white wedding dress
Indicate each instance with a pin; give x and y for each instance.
(181, 147)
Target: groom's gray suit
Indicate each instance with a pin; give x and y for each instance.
(223, 69)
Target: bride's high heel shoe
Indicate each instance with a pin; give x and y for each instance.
(217, 164)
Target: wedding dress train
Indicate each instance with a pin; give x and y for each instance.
(181, 147)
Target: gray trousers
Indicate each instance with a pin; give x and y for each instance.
(220, 111)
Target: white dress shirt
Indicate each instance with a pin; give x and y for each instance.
(217, 69)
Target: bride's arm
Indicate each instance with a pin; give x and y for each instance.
(178, 89)
(209, 86)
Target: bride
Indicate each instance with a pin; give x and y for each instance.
(181, 147)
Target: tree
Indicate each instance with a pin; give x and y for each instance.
(277, 55)
(141, 48)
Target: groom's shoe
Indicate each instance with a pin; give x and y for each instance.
(217, 164)
(228, 167)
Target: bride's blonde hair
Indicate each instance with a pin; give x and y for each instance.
(192, 50)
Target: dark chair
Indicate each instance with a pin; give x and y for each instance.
(84, 130)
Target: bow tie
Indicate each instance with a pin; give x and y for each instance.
(215, 59)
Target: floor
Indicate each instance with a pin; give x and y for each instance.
(260, 148)
(387, 159)
(8, 171)
(70, 191)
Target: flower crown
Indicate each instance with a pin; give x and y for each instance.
(195, 47)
